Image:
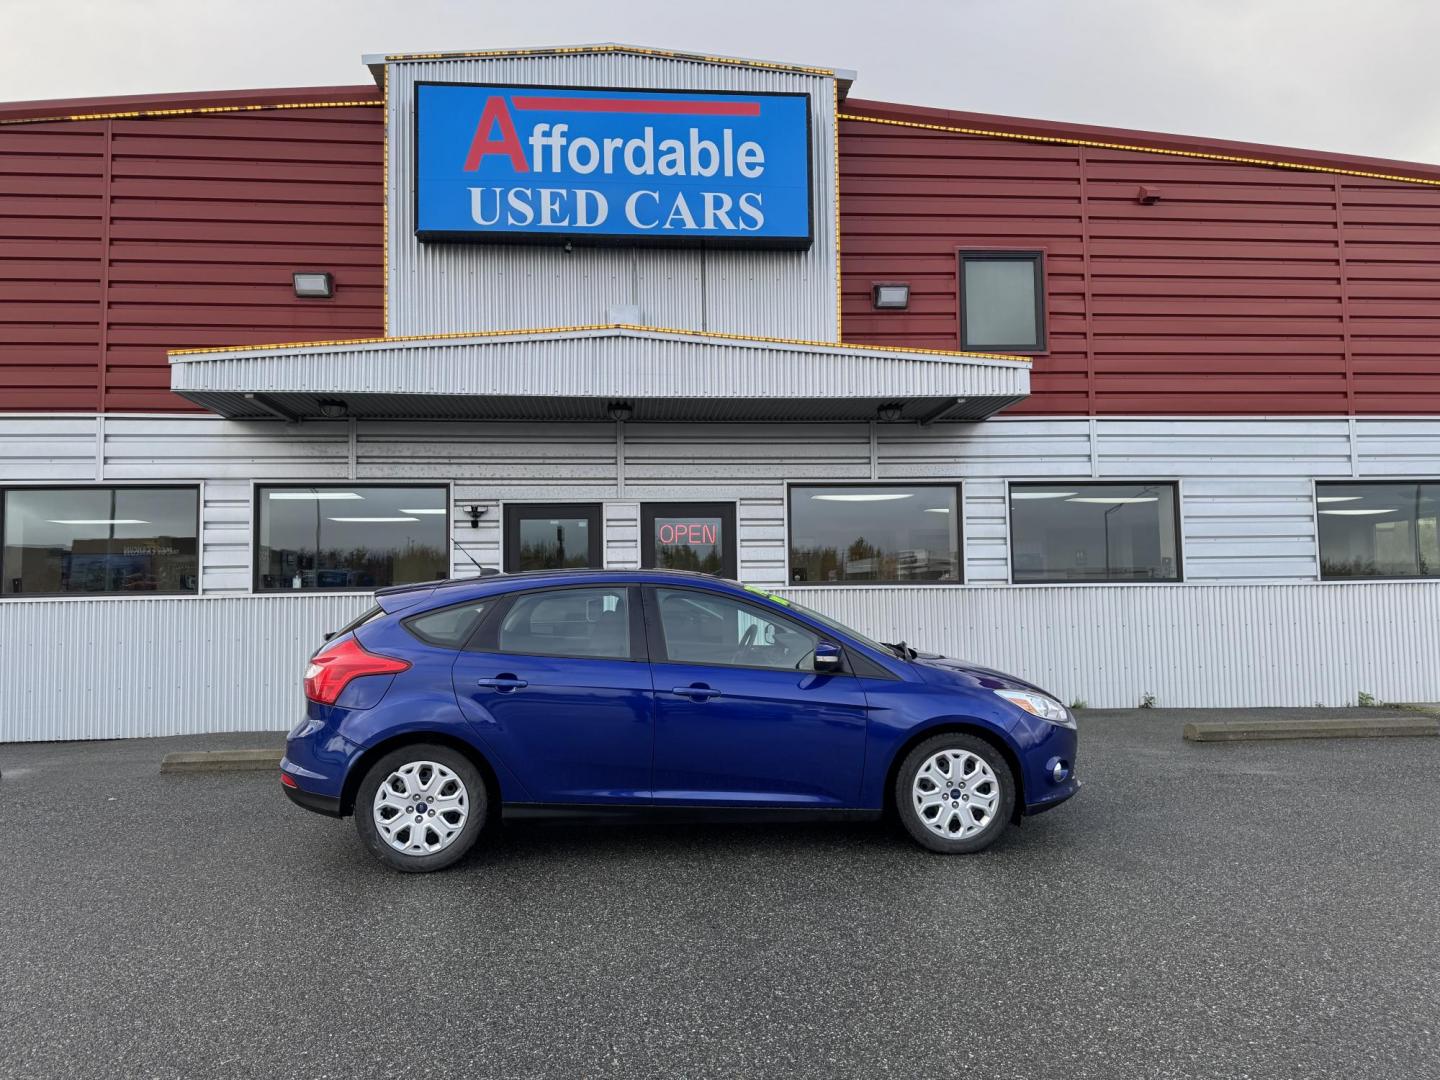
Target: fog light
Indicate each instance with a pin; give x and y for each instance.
(1059, 771)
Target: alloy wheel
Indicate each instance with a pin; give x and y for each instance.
(420, 808)
(955, 794)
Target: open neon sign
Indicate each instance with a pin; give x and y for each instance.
(687, 532)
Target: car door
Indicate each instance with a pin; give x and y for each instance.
(557, 685)
(741, 716)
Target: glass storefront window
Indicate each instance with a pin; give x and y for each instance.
(874, 532)
(552, 536)
(1384, 530)
(1064, 532)
(59, 541)
(349, 536)
(689, 536)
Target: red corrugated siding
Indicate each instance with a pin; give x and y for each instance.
(1244, 290)
(122, 238)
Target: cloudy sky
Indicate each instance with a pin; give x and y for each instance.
(1344, 75)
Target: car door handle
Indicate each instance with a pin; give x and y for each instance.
(696, 693)
(505, 684)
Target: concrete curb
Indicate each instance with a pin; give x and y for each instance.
(1399, 726)
(185, 761)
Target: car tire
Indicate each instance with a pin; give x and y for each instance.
(447, 789)
(975, 803)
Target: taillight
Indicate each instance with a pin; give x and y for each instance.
(331, 671)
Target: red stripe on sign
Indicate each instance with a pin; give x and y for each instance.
(630, 105)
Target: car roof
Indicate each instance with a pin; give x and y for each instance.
(457, 589)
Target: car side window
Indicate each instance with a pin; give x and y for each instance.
(450, 627)
(569, 622)
(707, 628)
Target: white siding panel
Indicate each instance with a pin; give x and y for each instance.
(1238, 529)
(1014, 449)
(226, 532)
(47, 448)
(986, 516)
(205, 448)
(159, 666)
(1397, 448)
(760, 524)
(1155, 449)
(622, 535)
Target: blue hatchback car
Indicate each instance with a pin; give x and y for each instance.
(450, 705)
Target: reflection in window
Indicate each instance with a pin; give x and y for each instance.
(689, 536)
(569, 622)
(353, 536)
(1093, 532)
(1002, 301)
(1378, 530)
(703, 628)
(553, 537)
(100, 540)
(874, 532)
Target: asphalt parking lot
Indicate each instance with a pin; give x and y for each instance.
(1242, 910)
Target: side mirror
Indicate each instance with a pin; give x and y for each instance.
(827, 657)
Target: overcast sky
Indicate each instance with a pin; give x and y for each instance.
(1346, 75)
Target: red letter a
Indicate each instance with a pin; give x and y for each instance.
(508, 144)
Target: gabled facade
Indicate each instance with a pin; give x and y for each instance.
(1129, 414)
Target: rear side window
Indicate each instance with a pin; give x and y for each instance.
(569, 622)
(448, 628)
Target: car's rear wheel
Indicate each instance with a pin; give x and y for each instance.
(421, 807)
(955, 793)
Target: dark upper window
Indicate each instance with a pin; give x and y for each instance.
(1372, 530)
(1002, 301)
(450, 627)
(569, 622)
(349, 536)
(99, 540)
(552, 536)
(874, 532)
(705, 628)
(1094, 532)
(688, 536)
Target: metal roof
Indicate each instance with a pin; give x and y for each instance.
(376, 62)
(577, 373)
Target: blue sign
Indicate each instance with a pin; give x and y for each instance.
(528, 163)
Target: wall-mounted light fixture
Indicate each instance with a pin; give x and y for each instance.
(890, 294)
(476, 512)
(1147, 196)
(332, 409)
(619, 411)
(314, 284)
(888, 414)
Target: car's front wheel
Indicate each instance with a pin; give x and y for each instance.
(955, 793)
(420, 807)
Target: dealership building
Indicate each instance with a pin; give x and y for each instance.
(1135, 416)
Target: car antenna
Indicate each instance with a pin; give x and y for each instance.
(473, 560)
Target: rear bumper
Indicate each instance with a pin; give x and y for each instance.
(328, 805)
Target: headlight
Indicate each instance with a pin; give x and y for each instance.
(1039, 705)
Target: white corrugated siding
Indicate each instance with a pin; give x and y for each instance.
(122, 668)
(459, 286)
(125, 668)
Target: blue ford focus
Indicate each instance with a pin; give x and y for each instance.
(451, 705)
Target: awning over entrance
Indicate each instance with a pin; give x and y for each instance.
(594, 373)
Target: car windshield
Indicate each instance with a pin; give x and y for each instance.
(825, 620)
